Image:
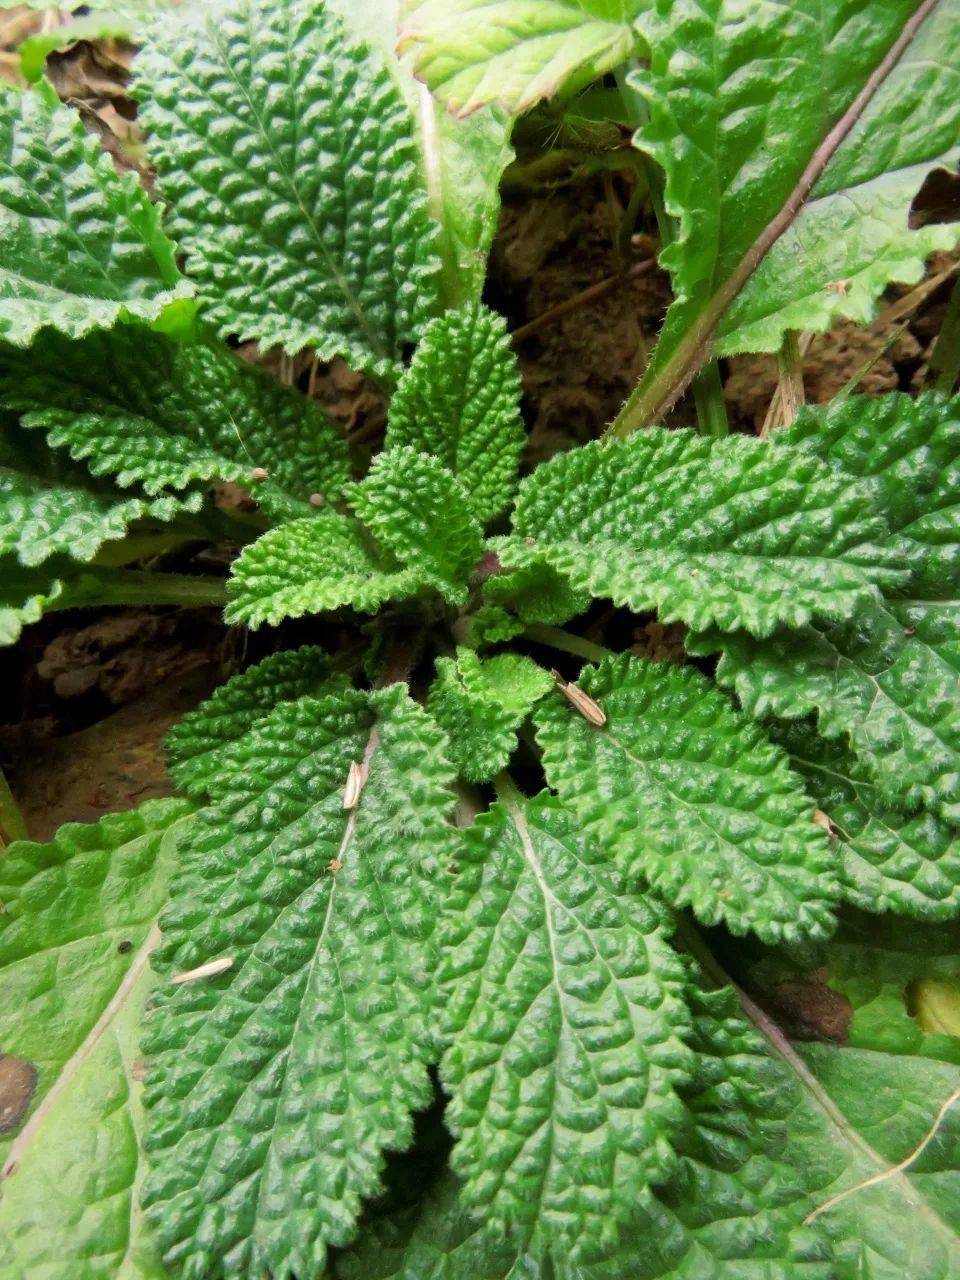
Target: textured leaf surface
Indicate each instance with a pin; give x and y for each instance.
(726, 530)
(480, 705)
(740, 104)
(472, 52)
(147, 410)
(894, 694)
(197, 743)
(25, 594)
(83, 247)
(287, 153)
(310, 565)
(460, 401)
(420, 513)
(682, 790)
(908, 863)
(75, 936)
(566, 1025)
(275, 1087)
(733, 1209)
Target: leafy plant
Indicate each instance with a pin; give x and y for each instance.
(350, 932)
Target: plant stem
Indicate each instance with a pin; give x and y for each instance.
(134, 586)
(789, 395)
(566, 642)
(711, 406)
(12, 825)
(945, 358)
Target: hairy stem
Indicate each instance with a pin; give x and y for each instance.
(567, 642)
(133, 586)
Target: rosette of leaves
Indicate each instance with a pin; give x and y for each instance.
(251, 995)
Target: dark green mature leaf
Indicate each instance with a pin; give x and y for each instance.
(565, 1023)
(472, 52)
(275, 1087)
(419, 512)
(75, 936)
(480, 705)
(729, 530)
(198, 743)
(680, 789)
(83, 246)
(311, 565)
(908, 863)
(752, 1158)
(893, 693)
(287, 154)
(147, 410)
(856, 103)
(460, 400)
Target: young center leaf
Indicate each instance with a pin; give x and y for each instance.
(762, 247)
(683, 791)
(76, 932)
(198, 743)
(729, 530)
(480, 705)
(460, 401)
(566, 1030)
(147, 410)
(419, 512)
(889, 860)
(472, 52)
(287, 154)
(274, 1087)
(83, 246)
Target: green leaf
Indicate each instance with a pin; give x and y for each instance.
(563, 1077)
(480, 705)
(533, 593)
(420, 513)
(729, 531)
(287, 154)
(473, 52)
(145, 409)
(311, 565)
(908, 863)
(275, 1086)
(789, 170)
(893, 694)
(83, 246)
(197, 744)
(460, 401)
(462, 160)
(680, 789)
(75, 937)
(749, 1167)
(25, 595)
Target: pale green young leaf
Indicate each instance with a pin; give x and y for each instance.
(699, 529)
(517, 598)
(460, 401)
(25, 595)
(150, 411)
(481, 704)
(274, 1088)
(197, 743)
(287, 154)
(752, 109)
(563, 1076)
(872, 679)
(83, 246)
(462, 160)
(311, 565)
(515, 52)
(679, 788)
(889, 860)
(419, 512)
(734, 1208)
(75, 937)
